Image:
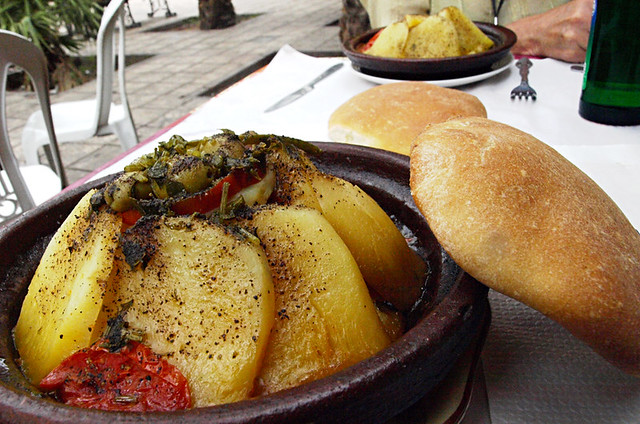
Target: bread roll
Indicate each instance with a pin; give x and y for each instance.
(523, 220)
(390, 116)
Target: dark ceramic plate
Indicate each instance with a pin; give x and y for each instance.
(455, 313)
(433, 69)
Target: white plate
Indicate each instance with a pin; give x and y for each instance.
(454, 82)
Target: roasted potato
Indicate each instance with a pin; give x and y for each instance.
(202, 297)
(326, 319)
(413, 20)
(391, 41)
(435, 37)
(447, 34)
(393, 321)
(470, 38)
(389, 266)
(293, 179)
(65, 295)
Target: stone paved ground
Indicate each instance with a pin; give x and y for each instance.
(186, 63)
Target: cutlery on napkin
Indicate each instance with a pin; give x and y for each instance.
(292, 97)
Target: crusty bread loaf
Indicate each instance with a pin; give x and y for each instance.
(390, 116)
(523, 220)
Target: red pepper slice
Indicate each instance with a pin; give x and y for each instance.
(205, 201)
(133, 379)
(130, 217)
(209, 200)
(363, 48)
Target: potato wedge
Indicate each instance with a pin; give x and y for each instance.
(326, 319)
(392, 320)
(470, 38)
(446, 34)
(66, 293)
(435, 37)
(386, 261)
(293, 182)
(204, 299)
(391, 41)
(413, 20)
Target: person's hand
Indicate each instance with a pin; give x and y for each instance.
(561, 33)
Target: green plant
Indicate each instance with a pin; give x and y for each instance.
(58, 27)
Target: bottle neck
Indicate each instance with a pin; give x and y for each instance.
(611, 82)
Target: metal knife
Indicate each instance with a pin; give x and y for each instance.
(304, 90)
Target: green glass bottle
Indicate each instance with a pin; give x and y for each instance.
(611, 85)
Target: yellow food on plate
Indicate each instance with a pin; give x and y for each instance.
(202, 296)
(294, 184)
(447, 34)
(413, 20)
(470, 38)
(234, 259)
(389, 266)
(65, 295)
(434, 37)
(391, 41)
(326, 319)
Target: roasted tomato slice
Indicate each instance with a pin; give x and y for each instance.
(132, 379)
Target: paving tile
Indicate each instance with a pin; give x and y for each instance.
(74, 174)
(96, 158)
(76, 152)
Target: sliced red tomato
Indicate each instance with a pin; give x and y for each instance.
(369, 43)
(132, 379)
(210, 199)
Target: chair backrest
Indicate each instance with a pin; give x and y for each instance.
(18, 50)
(112, 23)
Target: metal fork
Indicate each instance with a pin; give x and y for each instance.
(524, 89)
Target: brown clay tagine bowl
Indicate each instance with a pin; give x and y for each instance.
(436, 68)
(454, 315)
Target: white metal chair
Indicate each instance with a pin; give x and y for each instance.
(81, 120)
(22, 188)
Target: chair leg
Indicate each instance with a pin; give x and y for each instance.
(47, 153)
(126, 132)
(169, 13)
(30, 144)
(63, 175)
(129, 16)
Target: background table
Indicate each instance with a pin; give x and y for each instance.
(536, 371)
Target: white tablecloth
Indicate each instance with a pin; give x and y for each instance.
(536, 371)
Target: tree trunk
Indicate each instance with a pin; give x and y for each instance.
(216, 14)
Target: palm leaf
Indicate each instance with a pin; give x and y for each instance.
(40, 21)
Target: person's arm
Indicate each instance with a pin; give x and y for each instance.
(561, 33)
